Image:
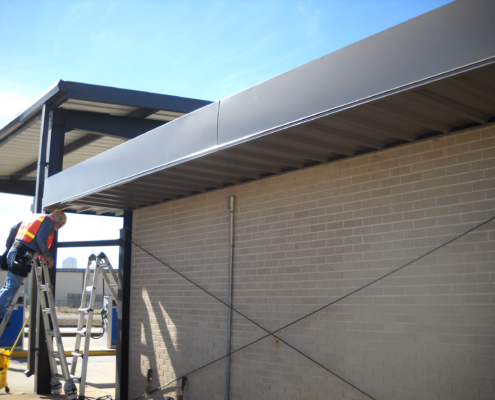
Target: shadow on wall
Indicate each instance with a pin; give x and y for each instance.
(306, 239)
(157, 318)
(426, 328)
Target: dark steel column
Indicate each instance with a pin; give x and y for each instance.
(55, 157)
(123, 309)
(40, 183)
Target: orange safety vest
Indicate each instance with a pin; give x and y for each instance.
(28, 230)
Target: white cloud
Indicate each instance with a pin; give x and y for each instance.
(110, 10)
(77, 12)
(311, 16)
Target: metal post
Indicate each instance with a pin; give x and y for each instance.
(123, 309)
(229, 311)
(50, 162)
(40, 183)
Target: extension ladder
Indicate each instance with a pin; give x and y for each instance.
(86, 312)
(50, 320)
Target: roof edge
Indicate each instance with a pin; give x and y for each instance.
(53, 92)
(53, 180)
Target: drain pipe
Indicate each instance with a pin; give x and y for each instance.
(229, 311)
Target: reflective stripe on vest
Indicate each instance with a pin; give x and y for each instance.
(28, 230)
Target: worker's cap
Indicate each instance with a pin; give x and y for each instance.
(63, 217)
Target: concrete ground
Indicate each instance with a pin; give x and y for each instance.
(100, 375)
(100, 380)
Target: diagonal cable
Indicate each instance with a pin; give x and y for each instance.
(254, 322)
(303, 317)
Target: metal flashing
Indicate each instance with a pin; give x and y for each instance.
(426, 76)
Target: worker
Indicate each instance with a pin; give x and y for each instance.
(34, 235)
(8, 245)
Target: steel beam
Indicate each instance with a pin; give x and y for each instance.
(38, 361)
(367, 125)
(55, 153)
(445, 103)
(90, 243)
(54, 156)
(239, 169)
(326, 133)
(24, 188)
(265, 147)
(279, 162)
(173, 174)
(201, 165)
(232, 159)
(390, 108)
(224, 175)
(33, 309)
(109, 125)
(308, 143)
(110, 95)
(183, 184)
(70, 148)
(150, 187)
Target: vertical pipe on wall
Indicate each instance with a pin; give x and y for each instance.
(229, 290)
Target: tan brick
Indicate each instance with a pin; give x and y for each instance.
(306, 238)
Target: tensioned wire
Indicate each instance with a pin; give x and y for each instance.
(299, 319)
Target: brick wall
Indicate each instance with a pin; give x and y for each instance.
(306, 238)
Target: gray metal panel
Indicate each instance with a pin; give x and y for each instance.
(448, 38)
(97, 147)
(390, 120)
(428, 105)
(154, 150)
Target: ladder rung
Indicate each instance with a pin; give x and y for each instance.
(85, 310)
(89, 288)
(76, 378)
(47, 311)
(55, 355)
(77, 354)
(50, 333)
(113, 284)
(81, 332)
(45, 288)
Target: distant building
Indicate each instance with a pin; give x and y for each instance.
(70, 262)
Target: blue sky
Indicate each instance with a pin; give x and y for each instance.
(205, 49)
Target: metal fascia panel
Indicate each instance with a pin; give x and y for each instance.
(448, 38)
(168, 144)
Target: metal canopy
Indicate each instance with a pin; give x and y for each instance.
(428, 76)
(94, 118)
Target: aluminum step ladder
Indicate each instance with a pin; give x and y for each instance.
(95, 267)
(52, 330)
(12, 307)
